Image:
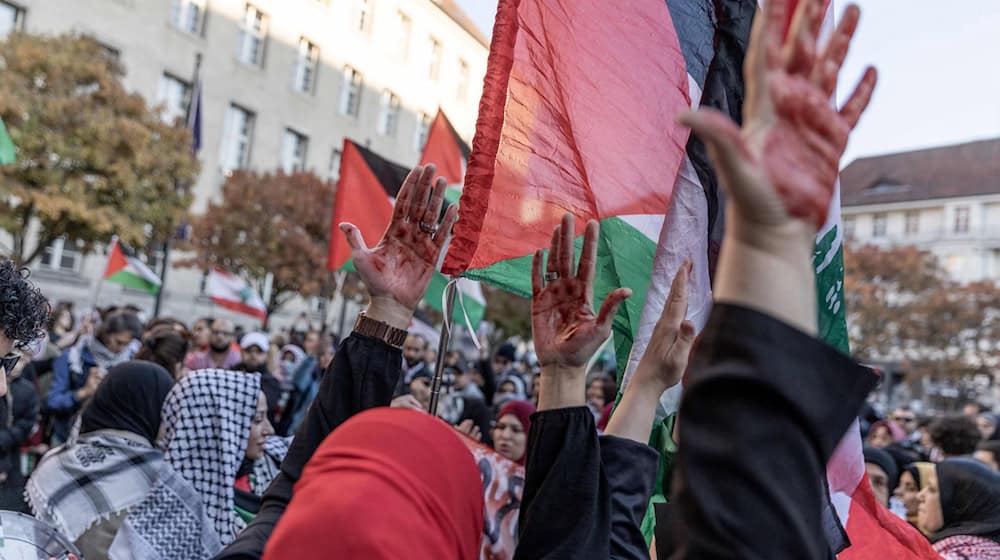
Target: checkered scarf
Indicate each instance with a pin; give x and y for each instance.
(91, 478)
(266, 469)
(206, 423)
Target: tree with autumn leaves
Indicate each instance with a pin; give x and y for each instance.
(268, 223)
(903, 307)
(93, 160)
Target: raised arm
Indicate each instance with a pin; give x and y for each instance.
(766, 403)
(366, 369)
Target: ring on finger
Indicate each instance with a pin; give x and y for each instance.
(551, 276)
(429, 229)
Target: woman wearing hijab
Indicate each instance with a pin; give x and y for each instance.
(402, 482)
(211, 419)
(910, 484)
(510, 433)
(79, 370)
(87, 486)
(960, 510)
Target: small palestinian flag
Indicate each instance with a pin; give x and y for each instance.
(126, 269)
(366, 193)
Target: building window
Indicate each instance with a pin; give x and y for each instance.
(962, 219)
(333, 173)
(404, 29)
(879, 225)
(237, 138)
(253, 35)
(62, 256)
(463, 80)
(188, 15)
(306, 66)
(363, 15)
(420, 134)
(175, 95)
(912, 226)
(849, 227)
(433, 58)
(388, 118)
(350, 96)
(11, 19)
(293, 151)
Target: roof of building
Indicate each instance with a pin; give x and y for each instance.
(950, 171)
(456, 13)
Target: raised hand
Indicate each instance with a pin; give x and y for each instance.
(565, 329)
(398, 269)
(782, 166)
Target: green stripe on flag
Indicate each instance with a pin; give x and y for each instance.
(830, 291)
(132, 281)
(8, 152)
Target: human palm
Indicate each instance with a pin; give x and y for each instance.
(783, 163)
(401, 265)
(564, 327)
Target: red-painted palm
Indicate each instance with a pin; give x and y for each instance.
(564, 327)
(400, 267)
(785, 158)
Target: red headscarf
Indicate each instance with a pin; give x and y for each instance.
(388, 483)
(522, 410)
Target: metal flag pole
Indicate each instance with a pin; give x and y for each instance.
(449, 307)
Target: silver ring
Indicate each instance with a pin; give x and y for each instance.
(428, 228)
(551, 276)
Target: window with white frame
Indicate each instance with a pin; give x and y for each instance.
(188, 15)
(350, 93)
(421, 132)
(175, 95)
(463, 80)
(879, 223)
(237, 137)
(306, 66)
(433, 58)
(961, 219)
(62, 256)
(363, 15)
(404, 29)
(294, 146)
(333, 172)
(11, 19)
(253, 35)
(912, 223)
(388, 118)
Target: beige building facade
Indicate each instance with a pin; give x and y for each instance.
(283, 83)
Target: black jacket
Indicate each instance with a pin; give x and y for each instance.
(18, 415)
(763, 409)
(363, 374)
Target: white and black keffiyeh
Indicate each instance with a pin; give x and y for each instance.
(266, 469)
(205, 426)
(91, 478)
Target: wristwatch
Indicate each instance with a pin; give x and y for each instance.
(377, 329)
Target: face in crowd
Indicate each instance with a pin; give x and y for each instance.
(260, 429)
(223, 336)
(414, 350)
(509, 438)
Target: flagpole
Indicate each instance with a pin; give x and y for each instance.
(449, 308)
(195, 99)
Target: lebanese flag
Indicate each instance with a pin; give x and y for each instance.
(233, 293)
(128, 270)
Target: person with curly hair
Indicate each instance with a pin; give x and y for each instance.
(24, 316)
(955, 436)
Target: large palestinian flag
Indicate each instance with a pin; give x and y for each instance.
(366, 192)
(579, 114)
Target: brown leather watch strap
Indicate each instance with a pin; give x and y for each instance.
(382, 331)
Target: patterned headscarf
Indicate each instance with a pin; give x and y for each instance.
(206, 423)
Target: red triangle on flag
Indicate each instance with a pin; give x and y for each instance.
(116, 260)
(362, 200)
(443, 149)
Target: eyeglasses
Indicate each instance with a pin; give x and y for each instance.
(8, 362)
(903, 419)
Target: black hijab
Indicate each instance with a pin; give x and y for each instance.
(129, 399)
(970, 500)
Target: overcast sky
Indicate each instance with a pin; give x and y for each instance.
(939, 64)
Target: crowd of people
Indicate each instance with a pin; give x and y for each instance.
(162, 440)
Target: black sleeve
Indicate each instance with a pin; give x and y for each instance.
(362, 375)
(25, 414)
(762, 412)
(489, 380)
(477, 411)
(630, 469)
(564, 510)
